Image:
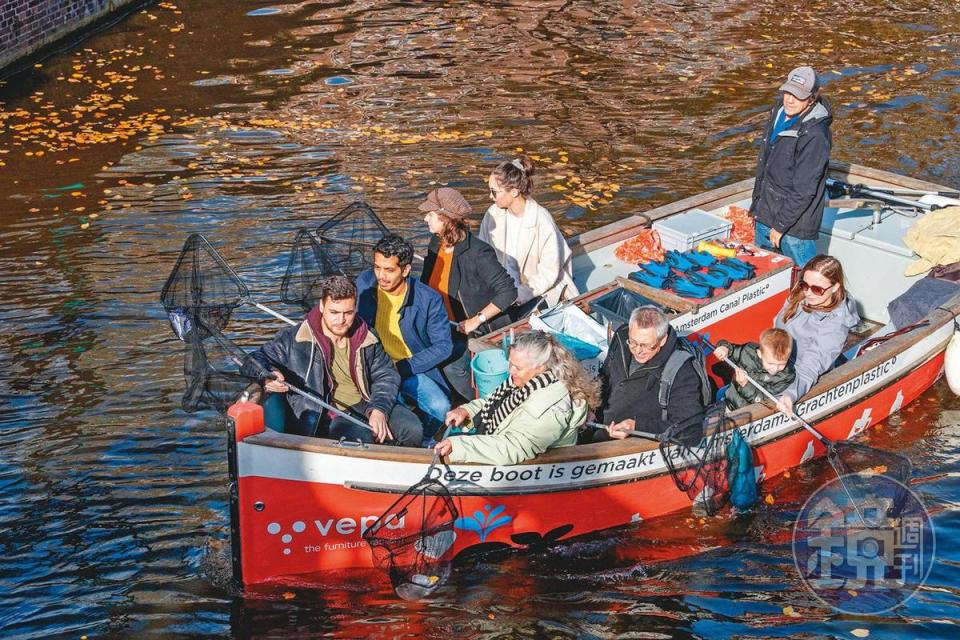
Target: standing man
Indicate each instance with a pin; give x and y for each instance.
(335, 355)
(788, 196)
(411, 322)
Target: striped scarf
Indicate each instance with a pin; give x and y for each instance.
(506, 398)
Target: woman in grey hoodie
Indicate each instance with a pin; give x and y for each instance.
(819, 315)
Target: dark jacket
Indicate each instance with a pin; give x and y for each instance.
(746, 357)
(634, 393)
(792, 173)
(423, 324)
(304, 359)
(476, 278)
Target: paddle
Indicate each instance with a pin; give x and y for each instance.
(842, 453)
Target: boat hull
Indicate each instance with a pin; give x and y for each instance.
(302, 511)
(299, 506)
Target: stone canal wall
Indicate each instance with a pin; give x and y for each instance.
(26, 26)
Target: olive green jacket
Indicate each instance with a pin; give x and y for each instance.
(549, 418)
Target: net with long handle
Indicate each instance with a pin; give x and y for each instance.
(202, 290)
(412, 539)
(310, 264)
(349, 237)
(212, 370)
(695, 453)
(855, 463)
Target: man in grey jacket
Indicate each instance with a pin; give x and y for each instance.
(788, 195)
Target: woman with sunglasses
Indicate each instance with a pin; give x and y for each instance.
(527, 241)
(819, 315)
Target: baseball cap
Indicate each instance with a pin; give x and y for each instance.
(801, 83)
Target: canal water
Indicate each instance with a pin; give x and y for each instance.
(244, 120)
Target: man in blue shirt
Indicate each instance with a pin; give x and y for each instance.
(411, 321)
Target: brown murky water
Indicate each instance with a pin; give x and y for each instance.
(245, 120)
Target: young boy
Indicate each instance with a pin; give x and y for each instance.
(767, 363)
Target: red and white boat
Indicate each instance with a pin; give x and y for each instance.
(300, 505)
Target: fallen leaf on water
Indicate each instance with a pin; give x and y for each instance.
(289, 595)
(788, 611)
(85, 225)
(769, 499)
(861, 633)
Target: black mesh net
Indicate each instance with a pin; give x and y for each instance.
(349, 237)
(310, 264)
(212, 370)
(695, 453)
(201, 291)
(856, 464)
(411, 540)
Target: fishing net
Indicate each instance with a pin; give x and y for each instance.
(695, 453)
(410, 540)
(858, 464)
(350, 236)
(310, 264)
(211, 367)
(201, 291)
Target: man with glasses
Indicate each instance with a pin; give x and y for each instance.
(650, 381)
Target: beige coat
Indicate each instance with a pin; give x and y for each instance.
(544, 257)
(548, 419)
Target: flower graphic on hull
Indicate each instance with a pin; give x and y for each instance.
(483, 522)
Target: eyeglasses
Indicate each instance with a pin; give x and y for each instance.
(642, 347)
(817, 290)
